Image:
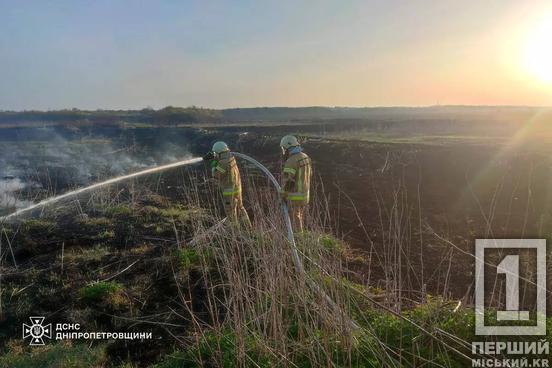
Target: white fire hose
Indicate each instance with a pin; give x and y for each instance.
(291, 239)
(299, 266)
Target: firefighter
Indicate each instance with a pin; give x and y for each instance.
(296, 177)
(227, 175)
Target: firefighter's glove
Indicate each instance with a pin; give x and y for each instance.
(209, 156)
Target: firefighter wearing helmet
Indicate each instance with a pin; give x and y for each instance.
(227, 175)
(296, 178)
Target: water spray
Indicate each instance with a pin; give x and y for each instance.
(295, 254)
(291, 239)
(98, 185)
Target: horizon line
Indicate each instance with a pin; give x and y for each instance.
(282, 107)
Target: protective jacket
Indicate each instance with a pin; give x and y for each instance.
(226, 172)
(296, 177)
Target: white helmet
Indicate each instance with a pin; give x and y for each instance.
(289, 141)
(220, 147)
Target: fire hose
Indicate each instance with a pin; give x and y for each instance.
(291, 239)
(300, 268)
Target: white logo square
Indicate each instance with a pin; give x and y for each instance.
(510, 267)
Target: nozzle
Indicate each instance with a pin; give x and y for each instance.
(209, 156)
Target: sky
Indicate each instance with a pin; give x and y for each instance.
(135, 54)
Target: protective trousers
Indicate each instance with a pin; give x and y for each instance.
(234, 209)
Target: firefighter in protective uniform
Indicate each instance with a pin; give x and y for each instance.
(227, 175)
(296, 178)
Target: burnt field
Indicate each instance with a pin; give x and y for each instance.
(390, 241)
(411, 198)
(416, 209)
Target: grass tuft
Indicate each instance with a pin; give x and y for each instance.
(59, 355)
(100, 290)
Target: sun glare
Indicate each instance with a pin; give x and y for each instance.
(538, 51)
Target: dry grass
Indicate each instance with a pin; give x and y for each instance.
(243, 301)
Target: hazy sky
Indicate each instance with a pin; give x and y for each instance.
(133, 54)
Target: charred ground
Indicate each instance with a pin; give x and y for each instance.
(410, 197)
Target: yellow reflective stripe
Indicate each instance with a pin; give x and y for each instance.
(300, 179)
(230, 192)
(220, 169)
(296, 196)
(289, 170)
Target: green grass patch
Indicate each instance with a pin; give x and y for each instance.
(118, 211)
(86, 254)
(96, 229)
(100, 290)
(307, 240)
(38, 226)
(60, 355)
(176, 213)
(217, 349)
(187, 257)
(330, 243)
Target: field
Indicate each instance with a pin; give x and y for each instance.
(399, 204)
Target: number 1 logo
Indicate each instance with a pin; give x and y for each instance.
(509, 266)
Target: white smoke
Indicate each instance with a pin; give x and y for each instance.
(9, 193)
(54, 163)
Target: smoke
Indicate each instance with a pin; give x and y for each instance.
(55, 163)
(9, 193)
